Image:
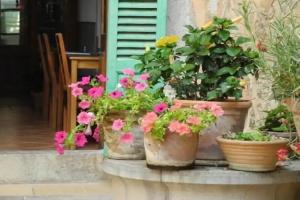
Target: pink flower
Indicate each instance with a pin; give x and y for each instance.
(140, 87)
(183, 129)
(128, 72)
(102, 78)
(298, 147)
(173, 126)
(116, 94)
(144, 76)
(147, 121)
(73, 85)
(282, 154)
(84, 104)
(59, 149)
(161, 107)
(117, 125)
(127, 138)
(95, 92)
(60, 137)
(76, 91)
(176, 105)
(124, 82)
(85, 118)
(85, 80)
(96, 134)
(211, 106)
(80, 140)
(193, 120)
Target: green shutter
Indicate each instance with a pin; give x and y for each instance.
(132, 24)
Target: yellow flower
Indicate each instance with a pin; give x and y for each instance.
(243, 83)
(164, 41)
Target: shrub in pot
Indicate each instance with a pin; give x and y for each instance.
(211, 66)
(172, 134)
(251, 151)
(115, 113)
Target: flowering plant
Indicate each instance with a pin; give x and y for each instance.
(180, 120)
(132, 97)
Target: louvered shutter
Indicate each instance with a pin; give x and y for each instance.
(132, 24)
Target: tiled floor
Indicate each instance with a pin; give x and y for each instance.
(22, 128)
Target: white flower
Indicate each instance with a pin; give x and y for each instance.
(169, 92)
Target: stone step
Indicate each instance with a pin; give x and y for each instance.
(85, 197)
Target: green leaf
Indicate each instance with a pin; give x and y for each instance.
(237, 94)
(224, 35)
(233, 51)
(212, 95)
(139, 66)
(185, 51)
(242, 40)
(225, 87)
(176, 66)
(219, 50)
(205, 39)
(226, 70)
(189, 67)
(203, 52)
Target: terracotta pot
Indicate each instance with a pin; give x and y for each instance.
(114, 148)
(233, 120)
(294, 106)
(285, 135)
(251, 155)
(175, 152)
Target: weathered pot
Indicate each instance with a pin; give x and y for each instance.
(251, 155)
(175, 152)
(233, 120)
(294, 106)
(285, 135)
(114, 148)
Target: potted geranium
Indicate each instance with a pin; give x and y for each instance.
(252, 150)
(172, 134)
(211, 66)
(116, 113)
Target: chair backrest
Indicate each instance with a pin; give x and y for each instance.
(42, 52)
(63, 60)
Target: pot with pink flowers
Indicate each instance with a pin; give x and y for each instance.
(172, 134)
(116, 114)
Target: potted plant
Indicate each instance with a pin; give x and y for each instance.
(251, 151)
(172, 134)
(211, 66)
(115, 113)
(279, 122)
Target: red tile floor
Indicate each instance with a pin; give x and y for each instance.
(22, 127)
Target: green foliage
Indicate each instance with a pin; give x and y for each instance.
(279, 119)
(249, 136)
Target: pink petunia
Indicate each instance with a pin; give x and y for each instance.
(85, 118)
(73, 85)
(176, 105)
(140, 87)
(173, 126)
(116, 94)
(193, 120)
(117, 124)
(145, 76)
(183, 129)
(217, 110)
(77, 91)
(127, 138)
(60, 137)
(95, 92)
(124, 82)
(298, 147)
(96, 134)
(282, 154)
(80, 140)
(85, 80)
(161, 107)
(128, 72)
(147, 122)
(102, 78)
(59, 149)
(84, 104)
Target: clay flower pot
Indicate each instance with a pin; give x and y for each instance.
(114, 148)
(251, 155)
(233, 120)
(175, 152)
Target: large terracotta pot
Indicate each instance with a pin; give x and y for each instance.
(175, 152)
(251, 155)
(114, 148)
(294, 106)
(233, 120)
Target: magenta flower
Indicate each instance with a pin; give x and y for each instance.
(161, 107)
(73, 85)
(128, 72)
(85, 80)
(95, 92)
(80, 140)
(85, 118)
(127, 138)
(145, 76)
(102, 78)
(116, 94)
(60, 137)
(96, 134)
(124, 82)
(117, 125)
(84, 104)
(76, 91)
(59, 149)
(140, 87)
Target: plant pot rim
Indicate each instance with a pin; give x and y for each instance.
(228, 141)
(242, 103)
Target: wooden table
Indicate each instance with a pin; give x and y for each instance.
(78, 63)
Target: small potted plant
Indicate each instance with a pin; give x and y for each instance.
(115, 113)
(251, 151)
(172, 134)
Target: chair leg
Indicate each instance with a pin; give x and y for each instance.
(60, 110)
(45, 109)
(53, 110)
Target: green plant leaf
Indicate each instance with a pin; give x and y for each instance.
(233, 51)
(203, 52)
(176, 66)
(242, 40)
(224, 35)
(219, 50)
(185, 51)
(225, 87)
(189, 67)
(205, 39)
(212, 95)
(226, 70)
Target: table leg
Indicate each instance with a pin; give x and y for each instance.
(73, 102)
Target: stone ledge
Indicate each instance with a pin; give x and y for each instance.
(201, 175)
